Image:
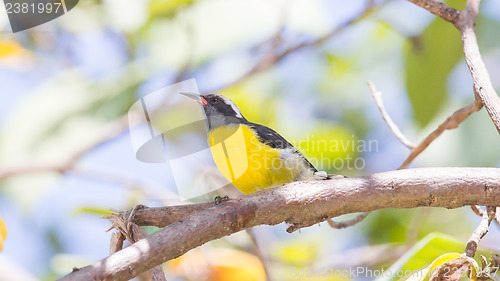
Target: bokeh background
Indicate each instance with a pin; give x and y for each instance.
(298, 66)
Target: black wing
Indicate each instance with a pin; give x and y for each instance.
(275, 140)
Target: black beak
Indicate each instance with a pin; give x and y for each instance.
(196, 97)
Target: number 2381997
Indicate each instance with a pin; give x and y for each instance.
(32, 8)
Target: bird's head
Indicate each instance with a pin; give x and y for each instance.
(219, 110)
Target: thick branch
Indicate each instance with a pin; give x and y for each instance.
(302, 204)
(163, 216)
(482, 82)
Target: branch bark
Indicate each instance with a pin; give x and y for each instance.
(301, 204)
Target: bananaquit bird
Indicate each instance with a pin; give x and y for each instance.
(251, 156)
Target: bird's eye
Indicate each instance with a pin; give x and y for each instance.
(215, 100)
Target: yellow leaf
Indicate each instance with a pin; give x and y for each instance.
(297, 253)
(429, 270)
(3, 232)
(229, 265)
(10, 48)
(442, 260)
(218, 265)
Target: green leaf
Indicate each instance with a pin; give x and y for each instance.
(167, 8)
(429, 59)
(92, 210)
(388, 225)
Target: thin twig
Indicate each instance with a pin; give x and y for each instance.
(259, 253)
(477, 210)
(439, 9)
(274, 56)
(480, 231)
(377, 96)
(347, 223)
(450, 123)
(111, 131)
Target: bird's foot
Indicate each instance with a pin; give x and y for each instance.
(218, 199)
(322, 175)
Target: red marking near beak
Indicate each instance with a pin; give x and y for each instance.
(203, 101)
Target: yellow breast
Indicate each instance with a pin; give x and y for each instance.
(246, 162)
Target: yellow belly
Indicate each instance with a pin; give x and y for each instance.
(246, 162)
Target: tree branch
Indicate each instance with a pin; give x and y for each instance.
(482, 81)
(450, 123)
(275, 57)
(377, 96)
(439, 9)
(480, 232)
(301, 204)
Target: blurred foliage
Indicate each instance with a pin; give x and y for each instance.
(3, 232)
(388, 225)
(256, 106)
(167, 8)
(10, 48)
(218, 264)
(429, 59)
(297, 252)
(329, 147)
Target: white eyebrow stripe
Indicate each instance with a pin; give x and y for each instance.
(233, 105)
